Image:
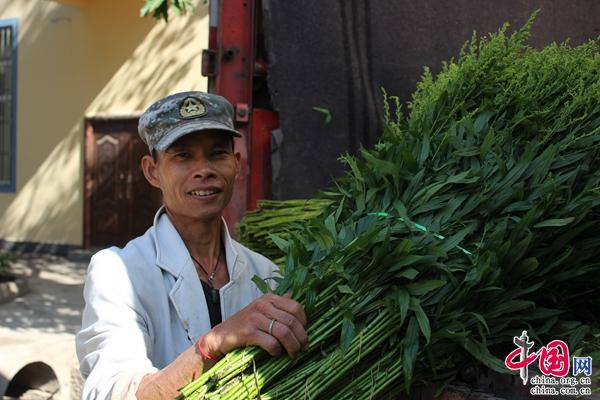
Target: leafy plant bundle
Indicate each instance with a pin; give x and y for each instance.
(279, 218)
(474, 218)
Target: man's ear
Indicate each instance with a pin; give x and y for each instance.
(149, 170)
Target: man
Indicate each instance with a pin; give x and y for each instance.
(173, 301)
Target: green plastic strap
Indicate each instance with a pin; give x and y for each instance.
(421, 228)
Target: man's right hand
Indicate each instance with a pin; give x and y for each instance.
(250, 327)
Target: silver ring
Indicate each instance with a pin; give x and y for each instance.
(271, 326)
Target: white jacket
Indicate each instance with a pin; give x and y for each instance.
(144, 305)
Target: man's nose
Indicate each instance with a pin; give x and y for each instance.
(203, 168)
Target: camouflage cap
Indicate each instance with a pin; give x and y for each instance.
(179, 114)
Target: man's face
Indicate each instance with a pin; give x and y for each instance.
(196, 175)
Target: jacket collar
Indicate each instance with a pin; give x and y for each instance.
(171, 253)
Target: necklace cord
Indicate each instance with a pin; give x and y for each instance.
(210, 276)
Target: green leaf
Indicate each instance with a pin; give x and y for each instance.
(150, 6)
(283, 245)
(481, 320)
(406, 261)
(351, 161)
(324, 111)
(554, 222)
(528, 265)
(403, 247)
(482, 121)
(509, 307)
(452, 242)
(348, 332)
(408, 159)
(424, 153)
(330, 224)
(408, 273)
(543, 313)
(488, 141)
(383, 166)
(578, 334)
(339, 210)
(468, 152)
(424, 287)
(345, 289)
(410, 348)
(422, 319)
(403, 299)
(261, 284)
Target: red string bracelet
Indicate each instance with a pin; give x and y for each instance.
(205, 354)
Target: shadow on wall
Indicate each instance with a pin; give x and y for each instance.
(167, 60)
(47, 204)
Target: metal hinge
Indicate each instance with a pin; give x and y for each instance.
(209, 63)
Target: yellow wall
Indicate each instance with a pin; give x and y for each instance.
(98, 58)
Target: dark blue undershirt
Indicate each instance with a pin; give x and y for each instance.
(213, 301)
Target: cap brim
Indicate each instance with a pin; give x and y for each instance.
(192, 126)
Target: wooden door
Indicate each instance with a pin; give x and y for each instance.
(119, 203)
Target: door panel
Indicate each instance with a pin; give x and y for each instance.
(119, 203)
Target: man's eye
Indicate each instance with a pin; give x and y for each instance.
(182, 155)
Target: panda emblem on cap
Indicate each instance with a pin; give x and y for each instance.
(192, 107)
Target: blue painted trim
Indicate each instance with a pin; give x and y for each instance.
(12, 186)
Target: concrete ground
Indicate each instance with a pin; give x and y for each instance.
(41, 325)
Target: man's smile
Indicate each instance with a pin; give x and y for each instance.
(204, 192)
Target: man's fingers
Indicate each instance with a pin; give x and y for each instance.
(273, 335)
(286, 337)
(290, 322)
(288, 305)
(266, 342)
